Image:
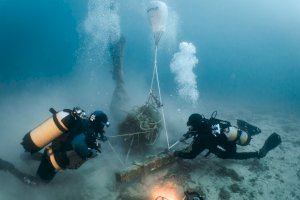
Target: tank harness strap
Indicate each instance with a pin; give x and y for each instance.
(52, 159)
(68, 110)
(53, 111)
(59, 126)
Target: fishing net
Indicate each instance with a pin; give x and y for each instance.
(141, 127)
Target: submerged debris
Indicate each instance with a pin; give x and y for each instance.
(141, 127)
(193, 194)
(166, 190)
(143, 168)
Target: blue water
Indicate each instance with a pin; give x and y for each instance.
(53, 53)
(247, 50)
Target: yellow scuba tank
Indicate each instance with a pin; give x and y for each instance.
(236, 135)
(47, 131)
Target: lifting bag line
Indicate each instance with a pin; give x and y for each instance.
(47, 131)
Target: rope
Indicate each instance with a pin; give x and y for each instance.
(127, 134)
(119, 158)
(155, 75)
(160, 98)
(153, 72)
(150, 127)
(129, 150)
(147, 130)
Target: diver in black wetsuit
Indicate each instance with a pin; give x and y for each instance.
(68, 151)
(221, 139)
(73, 147)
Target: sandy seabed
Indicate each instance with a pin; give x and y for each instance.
(277, 176)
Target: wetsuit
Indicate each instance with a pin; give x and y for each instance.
(70, 150)
(216, 144)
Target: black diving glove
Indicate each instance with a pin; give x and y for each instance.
(97, 146)
(186, 136)
(183, 138)
(93, 153)
(103, 138)
(93, 143)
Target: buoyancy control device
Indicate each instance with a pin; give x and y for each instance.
(240, 134)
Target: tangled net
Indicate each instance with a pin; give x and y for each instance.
(141, 127)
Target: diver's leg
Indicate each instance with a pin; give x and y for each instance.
(273, 141)
(230, 150)
(229, 147)
(46, 171)
(233, 155)
(243, 155)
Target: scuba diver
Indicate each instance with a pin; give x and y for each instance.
(73, 138)
(221, 138)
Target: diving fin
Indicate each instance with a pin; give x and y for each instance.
(248, 128)
(273, 141)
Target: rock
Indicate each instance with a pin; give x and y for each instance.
(253, 181)
(199, 190)
(251, 195)
(193, 194)
(235, 188)
(224, 194)
(257, 166)
(226, 172)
